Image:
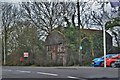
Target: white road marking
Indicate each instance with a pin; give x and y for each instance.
(72, 77)
(51, 74)
(24, 71)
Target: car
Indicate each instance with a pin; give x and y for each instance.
(110, 62)
(98, 62)
(117, 63)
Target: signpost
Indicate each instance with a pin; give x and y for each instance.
(21, 59)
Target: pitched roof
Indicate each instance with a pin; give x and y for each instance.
(53, 38)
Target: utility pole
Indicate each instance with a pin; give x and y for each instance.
(78, 28)
(78, 8)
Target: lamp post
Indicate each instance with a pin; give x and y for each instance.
(104, 43)
(104, 36)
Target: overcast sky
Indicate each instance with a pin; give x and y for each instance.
(14, 1)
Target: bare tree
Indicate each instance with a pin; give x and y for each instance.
(7, 22)
(99, 15)
(45, 16)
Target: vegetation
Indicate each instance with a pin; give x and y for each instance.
(115, 31)
(92, 46)
(0, 51)
(113, 26)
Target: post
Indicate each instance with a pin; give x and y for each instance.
(104, 37)
(4, 56)
(4, 45)
(104, 43)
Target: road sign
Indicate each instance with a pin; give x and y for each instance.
(25, 54)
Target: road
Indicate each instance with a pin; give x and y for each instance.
(79, 73)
